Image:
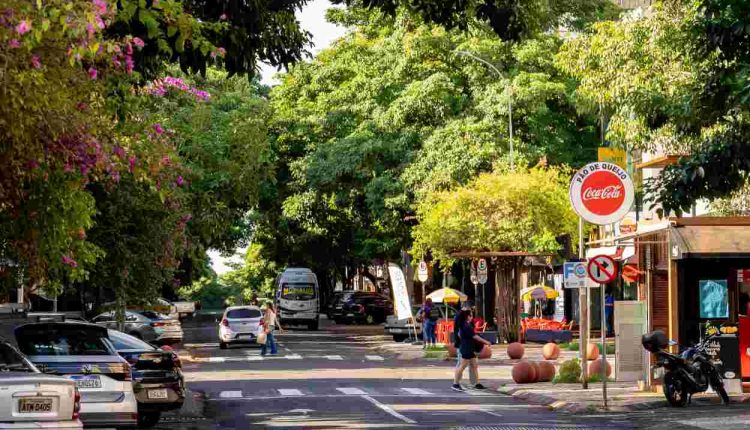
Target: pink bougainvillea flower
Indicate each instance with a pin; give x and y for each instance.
(23, 27)
(119, 151)
(82, 106)
(223, 17)
(186, 217)
(137, 41)
(158, 128)
(179, 181)
(93, 73)
(68, 168)
(14, 43)
(129, 65)
(35, 62)
(69, 261)
(90, 30)
(33, 164)
(131, 163)
(100, 23)
(166, 161)
(101, 6)
(222, 51)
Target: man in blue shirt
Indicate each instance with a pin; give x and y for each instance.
(609, 311)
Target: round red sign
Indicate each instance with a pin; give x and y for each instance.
(601, 193)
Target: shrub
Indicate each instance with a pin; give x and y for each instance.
(569, 372)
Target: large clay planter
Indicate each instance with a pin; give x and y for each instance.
(451, 350)
(546, 371)
(515, 351)
(551, 351)
(534, 372)
(485, 353)
(592, 352)
(520, 372)
(595, 368)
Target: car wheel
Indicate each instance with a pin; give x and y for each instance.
(313, 326)
(223, 345)
(399, 337)
(148, 419)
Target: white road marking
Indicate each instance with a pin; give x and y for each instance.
(388, 410)
(254, 358)
(494, 414)
(374, 358)
(351, 391)
(334, 357)
(289, 392)
(230, 394)
(294, 357)
(216, 359)
(417, 391)
(479, 393)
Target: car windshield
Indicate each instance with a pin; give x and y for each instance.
(297, 291)
(123, 342)
(243, 313)
(11, 360)
(62, 341)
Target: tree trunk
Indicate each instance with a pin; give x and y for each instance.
(506, 281)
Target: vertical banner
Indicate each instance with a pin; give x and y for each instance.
(400, 294)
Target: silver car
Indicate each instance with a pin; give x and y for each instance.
(145, 325)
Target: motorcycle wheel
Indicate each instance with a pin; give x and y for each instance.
(718, 387)
(675, 391)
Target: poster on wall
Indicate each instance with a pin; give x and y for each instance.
(714, 298)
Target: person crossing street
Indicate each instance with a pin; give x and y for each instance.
(270, 323)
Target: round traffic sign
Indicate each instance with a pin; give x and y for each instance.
(423, 272)
(602, 269)
(601, 193)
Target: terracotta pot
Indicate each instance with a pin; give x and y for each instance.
(486, 352)
(592, 351)
(451, 350)
(520, 372)
(595, 368)
(534, 372)
(551, 351)
(515, 351)
(546, 371)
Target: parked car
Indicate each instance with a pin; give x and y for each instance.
(146, 325)
(240, 324)
(335, 300)
(401, 329)
(157, 376)
(31, 399)
(362, 307)
(83, 353)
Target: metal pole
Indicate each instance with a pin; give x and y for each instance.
(583, 314)
(603, 330)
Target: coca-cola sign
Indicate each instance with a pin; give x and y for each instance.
(601, 193)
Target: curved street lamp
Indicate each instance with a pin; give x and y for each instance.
(510, 101)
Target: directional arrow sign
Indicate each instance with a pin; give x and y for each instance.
(602, 269)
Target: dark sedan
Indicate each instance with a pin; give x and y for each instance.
(362, 307)
(157, 377)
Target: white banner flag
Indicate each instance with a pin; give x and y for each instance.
(400, 294)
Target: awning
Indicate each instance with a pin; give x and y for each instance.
(616, 252)
(710, 241)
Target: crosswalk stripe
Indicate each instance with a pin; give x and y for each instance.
(230, 394)
(479, 393)
(254, 358)
(417, 391)
(289, 392)
(334, 357)
(216, 359)
(374, 357)
(294, 357)
(351, 391)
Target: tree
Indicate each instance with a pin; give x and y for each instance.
(673, 80)
(254, 277)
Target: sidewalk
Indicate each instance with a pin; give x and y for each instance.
(621, 397)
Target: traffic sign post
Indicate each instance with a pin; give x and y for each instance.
(482, 278)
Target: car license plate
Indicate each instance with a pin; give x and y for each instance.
(157, 394)
(37, 405)
(88, 381)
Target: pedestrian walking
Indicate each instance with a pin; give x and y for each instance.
(468, 342)
(456, 327)
(270, 324)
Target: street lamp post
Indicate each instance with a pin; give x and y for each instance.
(510, 101)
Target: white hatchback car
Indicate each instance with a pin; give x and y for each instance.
(30, 399)
(240, 324)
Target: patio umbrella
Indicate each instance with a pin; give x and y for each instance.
(538, 292)
(447, 295)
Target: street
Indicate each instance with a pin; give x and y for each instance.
(339, 377)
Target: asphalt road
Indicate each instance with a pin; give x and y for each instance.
(338, 378)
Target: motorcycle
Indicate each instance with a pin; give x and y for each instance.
(688, 373)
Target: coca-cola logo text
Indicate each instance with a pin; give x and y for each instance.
(602, 192)
(610, 192)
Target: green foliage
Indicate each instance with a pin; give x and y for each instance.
(510, 211)
(211, 293)
(569, 372)
(253, 278)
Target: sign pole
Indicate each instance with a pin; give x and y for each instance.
(604, 347)
(583, 312)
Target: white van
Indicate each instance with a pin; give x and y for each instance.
(298, 297)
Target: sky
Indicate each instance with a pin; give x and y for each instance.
(323, 33)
